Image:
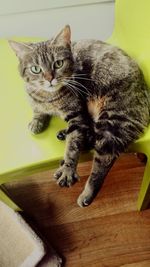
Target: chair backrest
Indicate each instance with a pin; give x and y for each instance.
(132, 31)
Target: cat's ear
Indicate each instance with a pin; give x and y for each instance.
(20, 49)
(64, 37)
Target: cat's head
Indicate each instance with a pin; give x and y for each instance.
(46, 65)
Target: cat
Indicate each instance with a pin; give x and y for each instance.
(95, 87)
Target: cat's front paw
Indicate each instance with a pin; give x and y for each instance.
(36, 126)
(66, 176)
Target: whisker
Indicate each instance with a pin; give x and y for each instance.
(79, 90)
(35, 90)
(85, 79)
(80, 74)
(79, 84)
(76, 82)
(75, 88)
(72, 90)
(78, 77)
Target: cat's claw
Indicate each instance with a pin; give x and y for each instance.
(66, 176)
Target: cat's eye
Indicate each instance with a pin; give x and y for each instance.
(36, 69)
(58, 64)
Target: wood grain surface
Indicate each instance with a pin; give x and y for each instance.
(109, 233)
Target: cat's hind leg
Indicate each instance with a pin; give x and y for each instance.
(108, 145)
(114, 131)
(100, 168)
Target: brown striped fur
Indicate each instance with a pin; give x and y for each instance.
(97, 88)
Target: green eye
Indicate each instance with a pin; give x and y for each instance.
(58, 64)
(36, 69)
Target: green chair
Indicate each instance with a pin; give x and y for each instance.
(132, 34)
(23, 154)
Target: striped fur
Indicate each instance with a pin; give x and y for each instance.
(99, 90)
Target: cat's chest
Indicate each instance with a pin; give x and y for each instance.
(50, 108)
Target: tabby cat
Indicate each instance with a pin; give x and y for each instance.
(95, 87)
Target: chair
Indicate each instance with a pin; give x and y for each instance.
(132, 34)
(23, 154)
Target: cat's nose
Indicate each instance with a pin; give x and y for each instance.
(54, 82)
(48, 76)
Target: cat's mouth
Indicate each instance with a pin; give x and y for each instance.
(53, 88)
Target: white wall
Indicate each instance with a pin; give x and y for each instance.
(43, 18)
